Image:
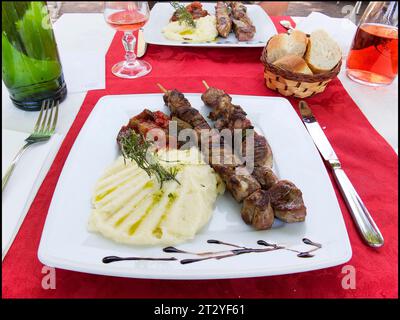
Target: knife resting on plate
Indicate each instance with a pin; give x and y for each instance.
(363, 220)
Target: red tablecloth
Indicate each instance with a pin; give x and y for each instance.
(368, 160)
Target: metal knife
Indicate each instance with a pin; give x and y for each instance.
(363, 220)
(141, 44)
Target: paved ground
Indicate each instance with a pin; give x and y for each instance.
(296, 8)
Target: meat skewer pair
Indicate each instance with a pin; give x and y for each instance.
(286, 198)
(256, 209)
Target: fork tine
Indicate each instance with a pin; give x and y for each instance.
(45, 118)
(55, 118)
(50, 117)
(44, 104)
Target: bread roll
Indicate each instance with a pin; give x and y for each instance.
(284, 44)
(323, 53)
(294, 64)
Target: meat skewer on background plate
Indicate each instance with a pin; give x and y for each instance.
(286, 198)
(256, 209)
(242, 24)
(224, 22)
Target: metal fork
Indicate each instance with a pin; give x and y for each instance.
(44, 129)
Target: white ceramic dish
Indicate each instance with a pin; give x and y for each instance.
(162, 12)
(67, 244)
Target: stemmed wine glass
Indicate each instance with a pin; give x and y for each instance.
(128, 16)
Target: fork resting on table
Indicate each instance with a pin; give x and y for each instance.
(44, 129)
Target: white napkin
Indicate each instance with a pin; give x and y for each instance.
(342, 30)
(82, 50)
(24, 183)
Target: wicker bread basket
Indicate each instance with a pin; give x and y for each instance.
(293, 84)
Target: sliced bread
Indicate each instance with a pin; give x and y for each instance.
(285, 44)
(323, 53)
(294, 64)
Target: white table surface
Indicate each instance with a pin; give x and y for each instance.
(381, 107)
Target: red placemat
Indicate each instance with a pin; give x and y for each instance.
(368, 160)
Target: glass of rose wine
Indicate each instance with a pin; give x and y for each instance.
(373, 58)
(128, 16)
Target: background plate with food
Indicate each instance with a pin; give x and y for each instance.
(167, 27)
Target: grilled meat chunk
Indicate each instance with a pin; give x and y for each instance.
(180, 107)
(211, 97)
(239, 185)
(224, 23)
(262, 153)
(243, 29)
(222, 108)
(265, 176)
(287, 201)
(257, 210)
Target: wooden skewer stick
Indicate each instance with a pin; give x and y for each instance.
(162, 88)
(205, 84)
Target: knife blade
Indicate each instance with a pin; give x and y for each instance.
(362, 218)
(141, 44)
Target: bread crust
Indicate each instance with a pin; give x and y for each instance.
(294, 64)
(285, 44)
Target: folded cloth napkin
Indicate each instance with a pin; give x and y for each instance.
(25, 181)
(82, 55)
(340, 29)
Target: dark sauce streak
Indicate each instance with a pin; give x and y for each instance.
(232, 253)
(225, 243)
(111, 259)
(173, 250)
(300, 254)
(311, 243)
(218, 255)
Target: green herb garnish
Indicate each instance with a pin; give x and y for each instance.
(136, 148)
(184, 16)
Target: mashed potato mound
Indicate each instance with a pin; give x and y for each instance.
(206, 30)
(130, 207)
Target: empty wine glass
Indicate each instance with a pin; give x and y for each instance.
(128, 16)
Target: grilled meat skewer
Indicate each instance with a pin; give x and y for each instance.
(224, 23)
(230, 116)
(286, 198)
(242, 24)
(256, 209)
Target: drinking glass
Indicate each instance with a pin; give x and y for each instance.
(373, 58)
(128, 16)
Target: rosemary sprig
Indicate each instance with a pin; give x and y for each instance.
(136, 148)
(183, 14)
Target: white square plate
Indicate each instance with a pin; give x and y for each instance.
(67, 244)
(162, 12)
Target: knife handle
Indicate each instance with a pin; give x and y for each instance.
(363, 220)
